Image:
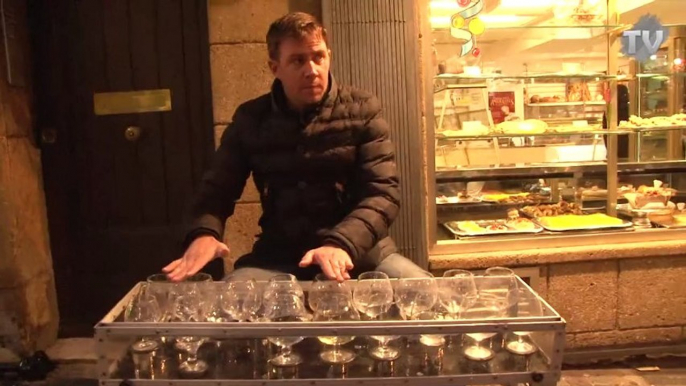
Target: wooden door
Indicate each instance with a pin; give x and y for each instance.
(116, 202)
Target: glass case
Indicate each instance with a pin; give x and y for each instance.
(544, 134)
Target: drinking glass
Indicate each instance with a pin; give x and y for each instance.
(144, 308)
(240, 299)
(373, 297)
(192, 304)
(287, 307)
(336, 306)
(416, 295)
(456, 291)
(528, 307)
(485, 307)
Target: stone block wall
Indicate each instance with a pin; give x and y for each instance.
(619, 302)
(238, 58)
(28, 303)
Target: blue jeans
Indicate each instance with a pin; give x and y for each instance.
(394, 265)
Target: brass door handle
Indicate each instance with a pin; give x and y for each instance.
(132, 133)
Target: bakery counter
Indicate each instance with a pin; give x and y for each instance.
(536, 250)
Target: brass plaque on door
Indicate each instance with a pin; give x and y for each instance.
(131, 102)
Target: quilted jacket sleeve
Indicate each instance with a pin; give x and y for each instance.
(222, 185)
(379, 193)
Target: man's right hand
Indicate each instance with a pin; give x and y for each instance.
(201, 251)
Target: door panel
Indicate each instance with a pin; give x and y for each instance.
(115, 204)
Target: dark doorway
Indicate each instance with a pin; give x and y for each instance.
(117, 186)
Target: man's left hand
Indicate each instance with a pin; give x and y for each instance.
(334, 261)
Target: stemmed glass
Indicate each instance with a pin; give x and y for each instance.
(143, 307)
(192, 304)
(373, 296)
(287, 307)
(528, 307)
(456, 291)
(240, 299)
(283, 284)
(486, 306)
(502, 282)
(334, 305)
(416, 295)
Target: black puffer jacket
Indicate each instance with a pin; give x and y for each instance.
(324, 177)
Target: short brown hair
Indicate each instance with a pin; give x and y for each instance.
(295, 25)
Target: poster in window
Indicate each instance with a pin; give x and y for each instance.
(502, 105)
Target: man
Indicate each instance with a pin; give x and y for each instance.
(322, 162)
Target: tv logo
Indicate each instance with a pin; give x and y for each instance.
(644, 39)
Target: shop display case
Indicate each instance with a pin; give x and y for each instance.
(540, 141)
(239, 353)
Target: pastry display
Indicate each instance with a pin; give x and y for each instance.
(580, 222)
(459, 199)
(578, 92)
(561, 208)
(492, 227)
(529, 126)
(636, 122)
(650, 197)
(516, 198)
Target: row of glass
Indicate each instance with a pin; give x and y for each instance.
(457, 295)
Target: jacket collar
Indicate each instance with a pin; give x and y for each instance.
(279, 103)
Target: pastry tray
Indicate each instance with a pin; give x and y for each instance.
(453, 228)
(624, 225)
(452, 200)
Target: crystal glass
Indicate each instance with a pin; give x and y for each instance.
(529, 306)
(241, 299)
(143, 308)
(373, 297)
(335, 306)
(431, 340)
(283, 284)
(502, 282)
(287, 307)
(416, 295)
(323, 288)
(192, 303)
(456, 291)
(485, 307)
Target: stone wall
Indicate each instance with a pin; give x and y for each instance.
(238, 57)
(613, 302)
(28, 304)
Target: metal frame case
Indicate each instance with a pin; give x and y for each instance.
(114, 336)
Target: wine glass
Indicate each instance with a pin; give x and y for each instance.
(485, 307)
(322, 288)
(456, 291)
(240, 299)
(287, 307)
(502, 282)
(143, 307)
(431, 340)
(192, 304)
(373, 297)
(283, 284)
(528, 307)
(415, 295)
(335, 306)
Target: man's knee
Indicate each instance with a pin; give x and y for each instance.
(398, 266)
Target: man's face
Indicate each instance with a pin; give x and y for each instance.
(303, 69)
